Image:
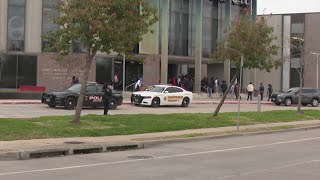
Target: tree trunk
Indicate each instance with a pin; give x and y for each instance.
(300, 91)
(83, 87)
(226, 94)
(1, 66)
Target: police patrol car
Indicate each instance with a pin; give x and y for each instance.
(162, 95)
(92, 98)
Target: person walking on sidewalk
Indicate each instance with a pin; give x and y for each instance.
(223, 87)
(269, 92)
(261, 90)
(106, 97)
(250, 90)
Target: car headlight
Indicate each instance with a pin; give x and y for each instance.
(280, 95)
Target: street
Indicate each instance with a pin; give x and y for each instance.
(278, 156)
(37, 110)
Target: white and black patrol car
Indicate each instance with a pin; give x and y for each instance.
(162, 95)
(93, 97)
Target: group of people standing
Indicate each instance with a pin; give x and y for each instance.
(250, 90)
(184, 81)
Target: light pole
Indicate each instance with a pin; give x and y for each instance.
(317, 54)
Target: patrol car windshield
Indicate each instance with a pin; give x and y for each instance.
(156, 89)
(75, 88)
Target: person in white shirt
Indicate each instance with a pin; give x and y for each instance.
(250, 90)
(138, 85)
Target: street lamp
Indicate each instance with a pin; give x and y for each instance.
(317, 54)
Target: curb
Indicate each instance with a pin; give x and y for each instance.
(56, 151)
(88, 148)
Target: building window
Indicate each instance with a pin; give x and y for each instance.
(16, 25)
(49, 12)
(19, 70)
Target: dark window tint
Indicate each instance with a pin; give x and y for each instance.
(91, 88)
(309, 90)
(178, 90)
(173, 90)
(19, 70)
(99, 88)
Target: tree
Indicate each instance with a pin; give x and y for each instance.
(3, 58)
(250, 41)
(298, 60)
(100, 25)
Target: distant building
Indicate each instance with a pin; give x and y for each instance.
(184, 37)
(290, 28)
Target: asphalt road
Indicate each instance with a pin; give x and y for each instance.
(279, 156)
(29, 111)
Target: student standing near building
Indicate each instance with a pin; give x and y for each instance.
(210, 88)
(250, 90)
(261, 90)
(270, 90)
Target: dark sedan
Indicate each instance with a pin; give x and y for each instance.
(93, 97)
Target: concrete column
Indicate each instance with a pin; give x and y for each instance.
(254, 10)
(164, 40)
(3, 23)
(286, 33)
(33, 26)
(198, 49)
(227, 63)
(150, 41)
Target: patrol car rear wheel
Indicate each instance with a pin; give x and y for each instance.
(113, 104)
(155, 102)
(70, 103)
(185, 102)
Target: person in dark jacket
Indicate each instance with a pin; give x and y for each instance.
(270, 90)
(223, 87)
(210, 88)
(106, 97)
(261, 90)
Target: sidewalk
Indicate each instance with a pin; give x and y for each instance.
(201, 98)
(35, 148)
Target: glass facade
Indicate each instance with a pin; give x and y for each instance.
(19, 70)
(16, 25)
(107, 67)
(296, 47)
(49, 12)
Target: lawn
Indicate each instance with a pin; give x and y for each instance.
(99, 125)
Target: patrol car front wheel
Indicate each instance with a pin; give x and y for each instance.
(185, 102)
(70, 103)
(155, 102)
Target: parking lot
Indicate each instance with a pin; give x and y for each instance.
(37, 110)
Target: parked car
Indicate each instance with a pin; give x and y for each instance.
(162, 95)
(93, 97)
(291, 96)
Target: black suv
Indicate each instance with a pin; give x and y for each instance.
(291, 96)
(93, 97)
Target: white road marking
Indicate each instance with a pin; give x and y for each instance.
(271, 169)
(160, 157)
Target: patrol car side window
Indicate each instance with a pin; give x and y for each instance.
(178, 90)
(99, 88)
(170, 90)
(91, 89)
